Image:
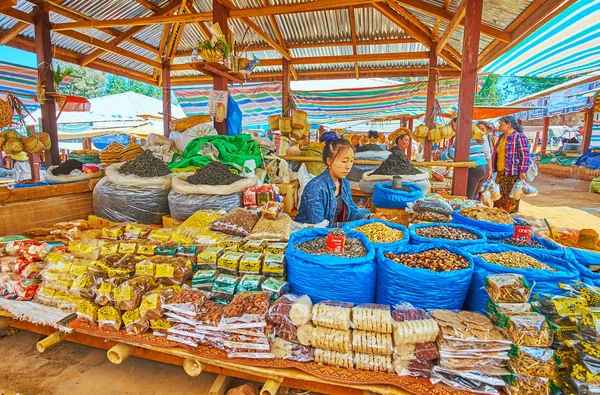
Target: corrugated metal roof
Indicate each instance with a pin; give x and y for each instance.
(324, 52)
(373, 25)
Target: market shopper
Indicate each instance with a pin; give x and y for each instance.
(328, 196)
(511, 160)
(402, 143)
(488, 129)
(21, 167)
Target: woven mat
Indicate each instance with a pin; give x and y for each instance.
(35, 313)
(417, 386)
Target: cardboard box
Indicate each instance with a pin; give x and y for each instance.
(289, 195)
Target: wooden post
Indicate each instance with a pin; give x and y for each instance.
(587, 129)
(285, 87)
(43, 50)
(409, 150)
(535, 142)
(431, 88)
(545, 131)
(220, 16)
(166, 97)
(466, 94)
(321, 131)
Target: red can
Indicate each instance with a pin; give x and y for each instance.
(336, 238)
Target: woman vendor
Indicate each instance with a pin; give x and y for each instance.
(511, 160)
(328, 196)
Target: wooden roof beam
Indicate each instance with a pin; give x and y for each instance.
(19, 15)
(438, 20)
(456, 20)
(415, 29)
(149, 5)
(147, 21)
(440, 12)
(191, 8)
(311, 6)
(11, 33)
(176, 34)
(263, 35)
(161, 52)
(124, 36)
(4, 4)
(280, 39)
(353, 34)
(536, 15)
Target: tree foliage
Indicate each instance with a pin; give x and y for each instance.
(87, 83)
(499, 90)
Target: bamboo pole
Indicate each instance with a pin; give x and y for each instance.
(378, 162)
(50, 341)
(119, 353)
(193, 367)
(271, 387)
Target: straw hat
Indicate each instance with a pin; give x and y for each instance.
(20, 156)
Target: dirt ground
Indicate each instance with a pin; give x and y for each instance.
(564, 202)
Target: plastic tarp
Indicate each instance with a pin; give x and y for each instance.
(233, 150)
(582, 260)
(423, 288)
(386, 246)
(183, 206)
(416, 239)
(125, 203)
(385, 197)
(590, 159)
(234, 117)
(546, 280)
(492, 230)
(328, 277)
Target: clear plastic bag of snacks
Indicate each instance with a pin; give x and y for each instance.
(530, 330)
(238, 222)
(151, 306)
(104, 289)
(372, 342)
(134, 323)
(527, 385)
(247, 310)
(332, 339)
(109, 319)
(172, 270)
(334, 315)
(291, 351)
(291, 308)
(128, 295)
(471, 381)
(272, 229)
(334, 358)
(533, 361)
(413, 368)
(84, 286)
(275, 287)
(373, 318)
(508, 288)
(589, 325)
(87, 311)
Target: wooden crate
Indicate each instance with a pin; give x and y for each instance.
(289, 194)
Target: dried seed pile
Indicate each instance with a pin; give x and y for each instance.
(146, 165)
(531, 244)
(436, 259)
(214, 173)
(396, 163)
(67, 167)
(516, 260)
(380, 233)
(353, 248)
(369, 147)
(446, 232)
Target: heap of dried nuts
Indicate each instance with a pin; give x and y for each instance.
(353, 248)
(435, 259)
(378, 232)
(516, 260)
(446, 232)
(519, 243)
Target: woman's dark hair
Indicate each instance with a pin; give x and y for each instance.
(512, 121)
(334, 147)
(400, 138)
(373, 134)
(328, 136)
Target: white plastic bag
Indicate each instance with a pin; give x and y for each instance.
(52, 179)
(532, 172)
(517, 190)
(182, 139)
(303, 178)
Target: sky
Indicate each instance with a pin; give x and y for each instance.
(24, 58)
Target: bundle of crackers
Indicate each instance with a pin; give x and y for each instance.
(469, 342)
(110, 154)
(130, 152)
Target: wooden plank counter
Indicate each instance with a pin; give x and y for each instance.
(26, 208)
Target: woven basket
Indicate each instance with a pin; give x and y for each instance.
(285, 125)
(6, 113)
(306, 130)
(299, 119)
(2, 140)
(297, 133)
(45, 139)
(13, 146)
(33, 145)
(12, 134)
(243, 63)
(274, 122)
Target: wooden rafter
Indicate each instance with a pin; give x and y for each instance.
(353, 34)
(57, 7)
(263, 35)
(176, 34)
(438, 20)
(440, 12)
(190, 8)
(414, 29)
(13, 32)
(4, 4)
(146, 21)
(537, 14)
(458, 17)
(280, 39)
(149, 5)
(122, 37)
(19, 15)
(161, 51)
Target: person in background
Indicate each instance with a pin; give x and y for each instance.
(328, 196)
(480, 152)
(373, 136)
(21, 167)
(488, 129)
(511, 160)
(402, 143)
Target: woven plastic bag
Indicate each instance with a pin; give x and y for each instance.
(492, 230)
(582, 260)
(121, 203)
(180, 185)
(545, 281)
(423, 288)
(386, 246)
(385, 197)
(113, 175)
(415, 238)
(184, 206)
(327, 277)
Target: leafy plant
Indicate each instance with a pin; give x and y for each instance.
(223, 45)
(205, 45)
(59, 74)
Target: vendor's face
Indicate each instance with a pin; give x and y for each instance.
(483, 128)
(403, 143)
(341, 166)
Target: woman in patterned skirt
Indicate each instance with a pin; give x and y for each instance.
(511, 159)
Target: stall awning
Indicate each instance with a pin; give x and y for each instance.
(565, 46)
